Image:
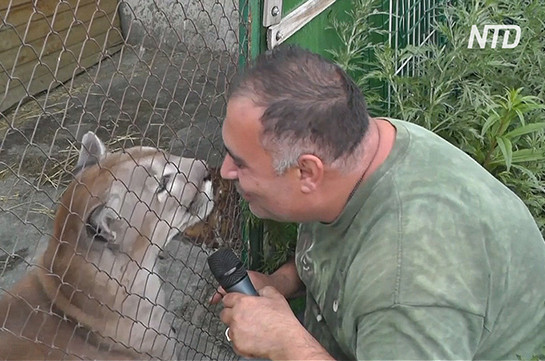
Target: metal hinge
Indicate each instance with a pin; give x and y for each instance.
(295, 20)
(272, 12)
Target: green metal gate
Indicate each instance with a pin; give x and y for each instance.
(309, 23)
(267, 23)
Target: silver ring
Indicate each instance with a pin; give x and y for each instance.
(227, 334)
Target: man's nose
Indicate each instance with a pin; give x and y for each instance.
(228, 169)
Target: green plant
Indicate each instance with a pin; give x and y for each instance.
(275, 241)
(360, 36)
(500, 132)
(485, 101)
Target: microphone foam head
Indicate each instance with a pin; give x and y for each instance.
(226, 267)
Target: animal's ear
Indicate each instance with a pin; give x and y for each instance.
(100, 222)
(92, 151)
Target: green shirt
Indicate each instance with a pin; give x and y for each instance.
(432, 258)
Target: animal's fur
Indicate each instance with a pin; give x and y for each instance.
(220, 227)
(95, 294)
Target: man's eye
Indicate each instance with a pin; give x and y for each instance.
(238, 163)
(163, 184)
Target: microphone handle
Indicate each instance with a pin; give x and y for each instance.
(244, 286)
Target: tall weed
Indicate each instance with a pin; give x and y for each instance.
(488, 102)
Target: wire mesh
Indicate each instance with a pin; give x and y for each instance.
(411, 23)
(136, 73)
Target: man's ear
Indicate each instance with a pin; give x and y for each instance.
(92, 151)
(311, 172)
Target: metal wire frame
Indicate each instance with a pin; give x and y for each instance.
(410, 22)
(160, 84)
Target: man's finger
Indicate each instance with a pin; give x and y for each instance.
(215, 299)
(217, 296)
(230, 299)
(270, 292)
(226, 315)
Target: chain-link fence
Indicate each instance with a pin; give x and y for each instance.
(410, 23)
(136, 73)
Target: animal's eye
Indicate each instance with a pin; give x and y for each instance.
(163, 184)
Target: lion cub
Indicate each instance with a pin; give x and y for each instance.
(95, 294)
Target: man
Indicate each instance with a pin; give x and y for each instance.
(407, 248)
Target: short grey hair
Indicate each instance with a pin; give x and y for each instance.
(311, 107)
(286, 151)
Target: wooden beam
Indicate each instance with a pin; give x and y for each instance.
(14, 60)
(53, 44)
(10, 4)
(38, 26)
(21, 15)
(51, 78)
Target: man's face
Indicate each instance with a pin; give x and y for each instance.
(269, 195)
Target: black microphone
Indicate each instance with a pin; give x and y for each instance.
(231, 274)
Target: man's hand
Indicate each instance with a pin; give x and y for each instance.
(259, 280)
(265, 327)
(285, 280)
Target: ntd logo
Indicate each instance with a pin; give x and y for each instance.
(481, 39)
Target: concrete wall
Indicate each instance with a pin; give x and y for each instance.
(197, 24)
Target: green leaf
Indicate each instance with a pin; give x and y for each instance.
(522, 156)
(527, 129)
(492, 119)
(506, 149)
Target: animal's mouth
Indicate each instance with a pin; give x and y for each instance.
(198, 209)
(203, 199)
